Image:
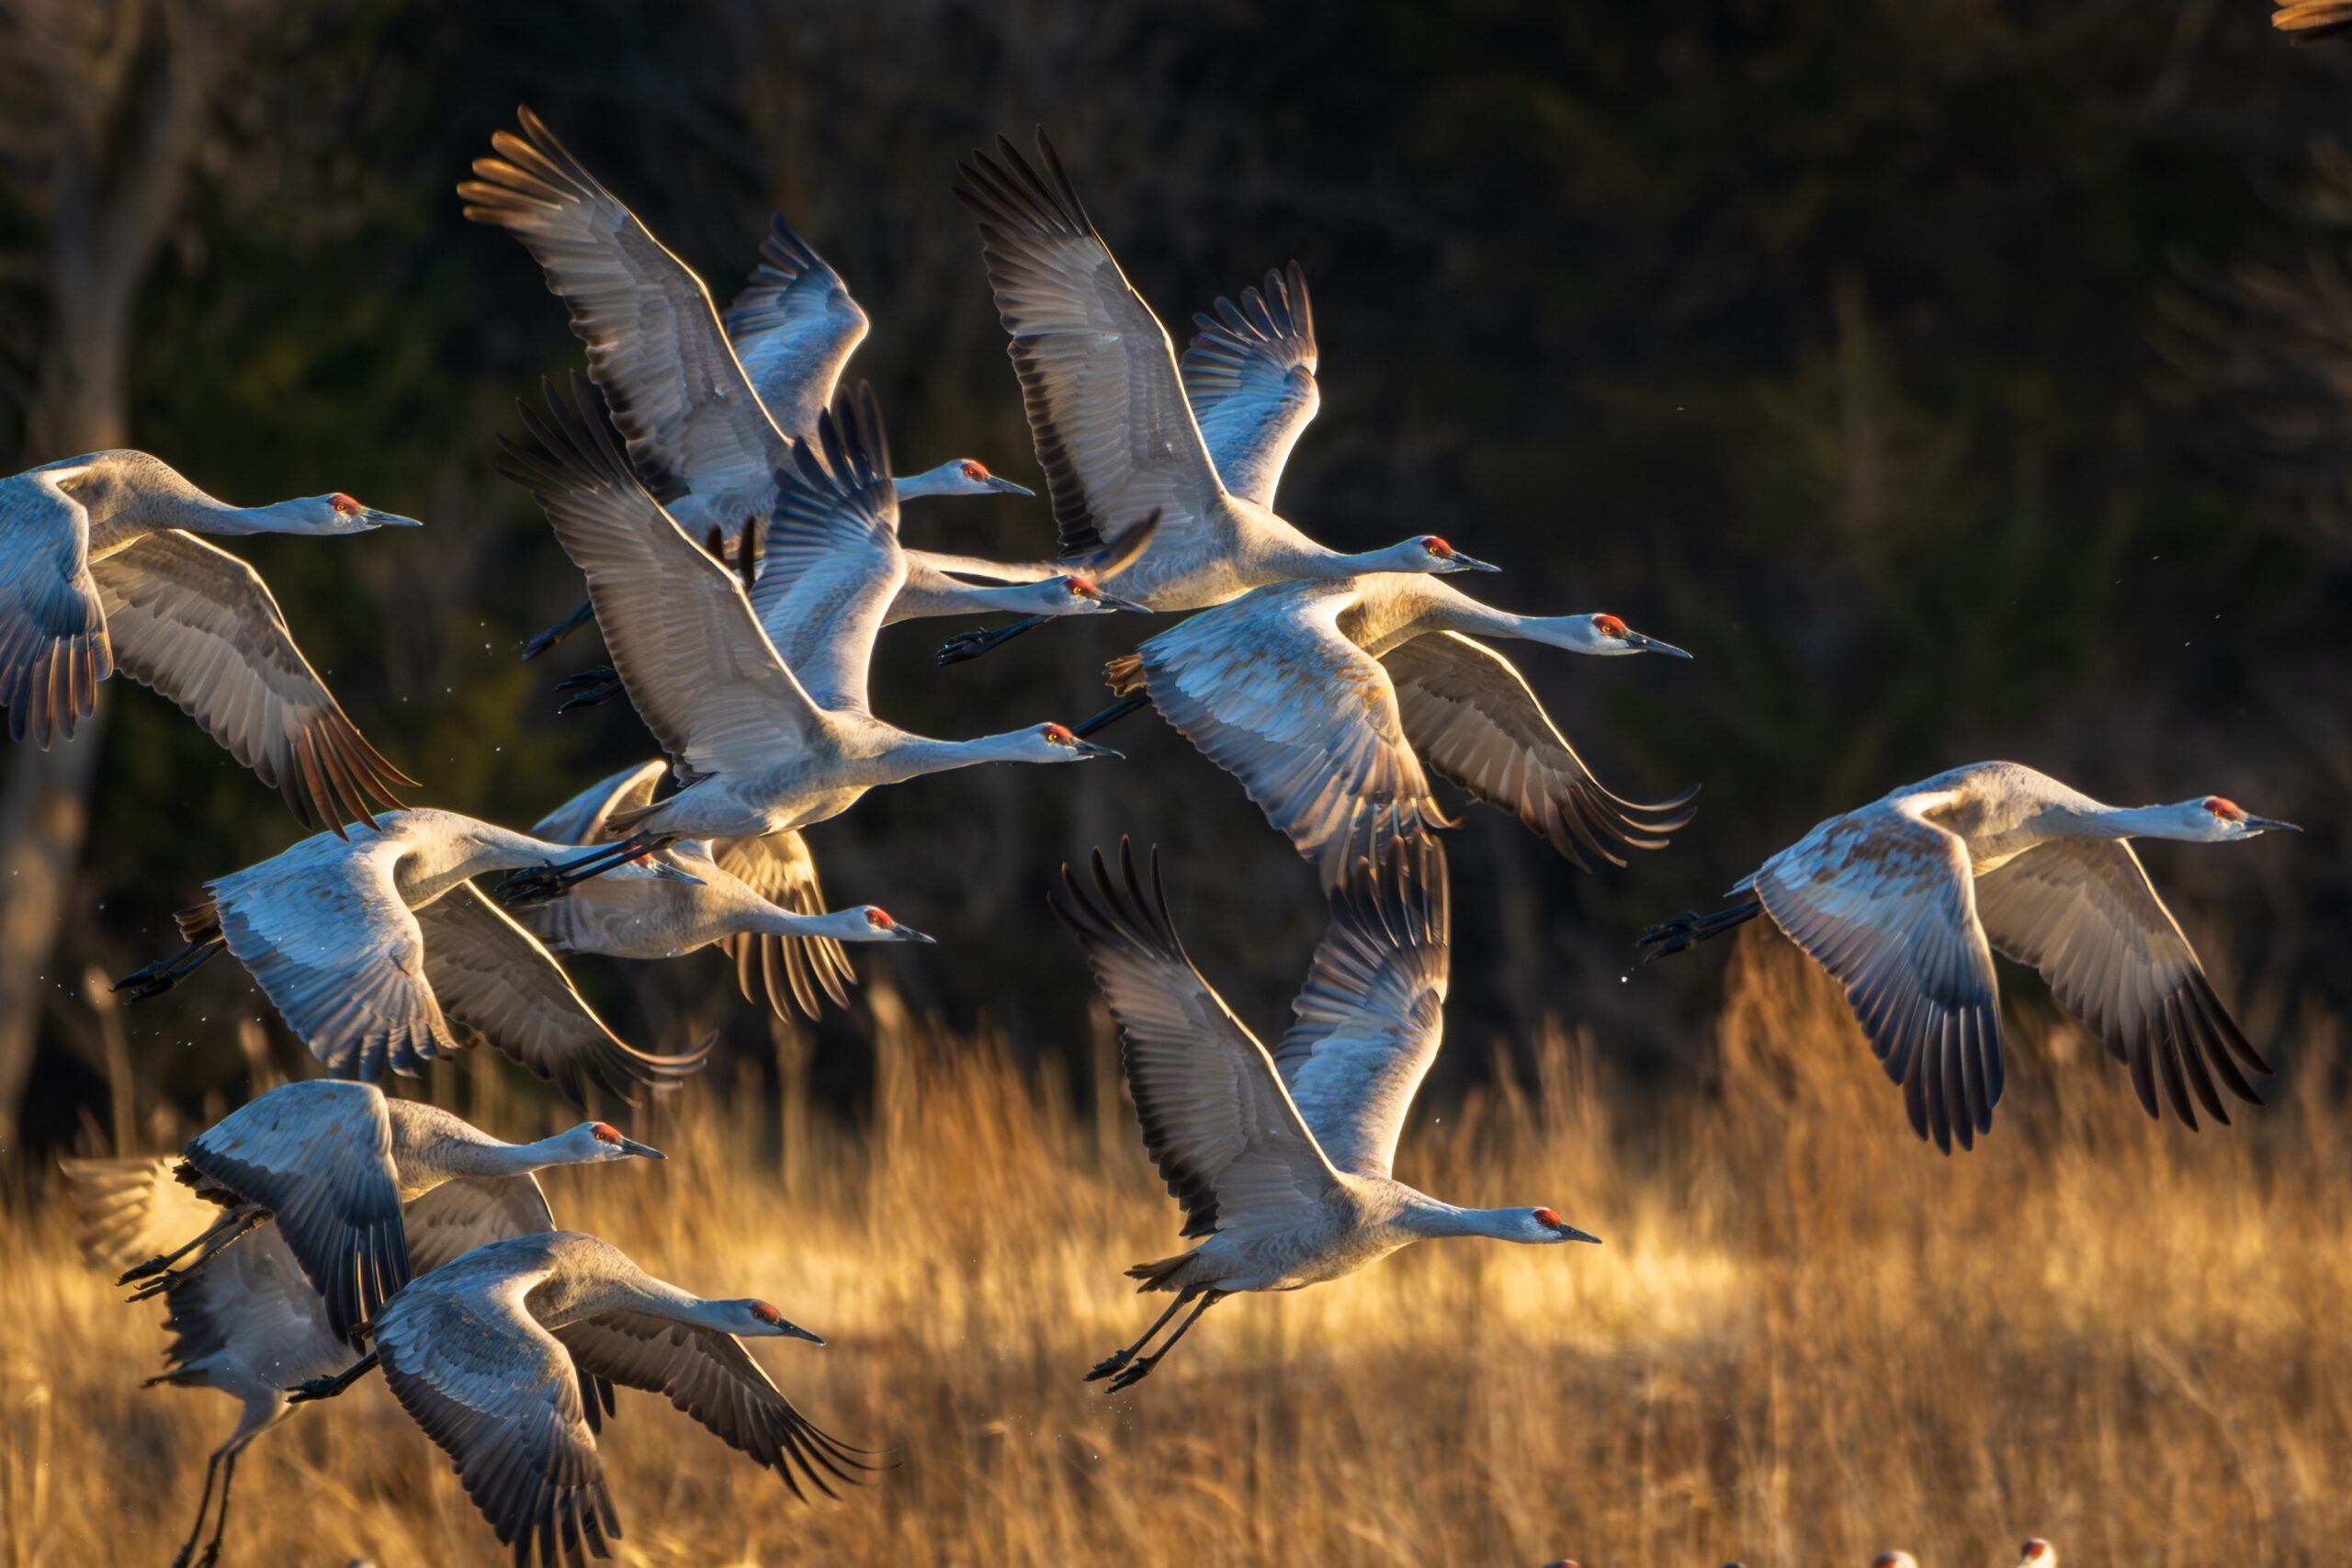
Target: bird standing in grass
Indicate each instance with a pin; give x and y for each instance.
(1281, 1161)
(1905, 900)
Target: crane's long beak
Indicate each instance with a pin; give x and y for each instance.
(1457, 561)
(1086, 750)
(1641, 644)
(391, 520)
(643, 1151)
(1572, 1233)
(996, 481)
(1113, 602)
(792, 1330)
(901, 932)
(2268, 825)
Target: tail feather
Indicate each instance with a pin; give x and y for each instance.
(1124, 674)
(1160, 1274)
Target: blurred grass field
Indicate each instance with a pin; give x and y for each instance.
(1807, 1338)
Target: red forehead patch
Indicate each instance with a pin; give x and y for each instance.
(976, 470)
(1436, 546)
(1079, 585)
(606, 1132)
(1059, 732)
(879, 917)
(1610, 625)
(766, 1313)
(343, 503)
(2226, 809)
(1546, 1216)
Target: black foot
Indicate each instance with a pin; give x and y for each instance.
(165, 973)
(147, 1271)
(1669, 937)
(558, 632)
(537, 884)
(972, 644)
(1109, 1364)
(591, 688)
(312, 1388)
(1134, 1374)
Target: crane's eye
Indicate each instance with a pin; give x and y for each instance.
(344, 504)
(975, 471)
(1057, 734)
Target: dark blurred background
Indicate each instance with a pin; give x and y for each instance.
(1955, 379)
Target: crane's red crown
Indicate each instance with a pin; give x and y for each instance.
(1547, 1217)
(879, 917)
(1436, 546)
(344, 504)
(1082, 587)
(1060, 734)
(2228, 810)
(975, 471)
(2037, 1549)
(1610, 625)
(606, 1133)
(766, 1313)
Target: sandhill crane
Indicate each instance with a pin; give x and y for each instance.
(1282, 1161)
(1905, 900)
(763, 739)
(251, 1320)
(1108, 412)
(1331, 701)
(1250, 377)
(1895, 1559)
(490, 1355)
(100, 565)
(2038, 1553)
(634, 912)
(709, 408)
(370, 948)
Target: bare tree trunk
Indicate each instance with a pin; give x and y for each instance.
(122, 83)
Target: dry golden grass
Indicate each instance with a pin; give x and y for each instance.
(1807, 1339)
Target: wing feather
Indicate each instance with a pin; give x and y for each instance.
(53, 644)
(1250, 374)
(793, 328)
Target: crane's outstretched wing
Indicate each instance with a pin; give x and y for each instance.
(1884, 899)
(2083, 912)
(1107, 405)
(201, 627)
(586, 817)
(833, 563)
(713, 1379)
(324, 930)
(494, 978)
(1274, 693)
(793, 328)
(462, 1353)
(1249, 372)
(1367, 1023)
(447, 1222)
(655, 346)
(133, 1208)
(780, 869)
(1217, 1121)
(1470, 717)
(53, 644)
(317, 1155)
(697, 666)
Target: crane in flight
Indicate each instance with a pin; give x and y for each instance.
(493, 1356)
(633, 911)
(1281, 1161)
(101, 566)
(763, 738)
(1333, 702)
(1904, 901)
(281, 1305)
(371, 948)
(710, 405)
(1108, 412)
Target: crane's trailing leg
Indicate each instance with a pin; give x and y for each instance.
(314, 1389)
(1129, 703)
(597, 685)
(558, 632)
(165, 973)
(1689, 929)
(223, 1231)
(1142, 1367)
(203, 1508)
(1119, 1360)
(972, 644)
(538, 883)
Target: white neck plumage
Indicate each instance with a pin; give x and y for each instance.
(1429, 1218)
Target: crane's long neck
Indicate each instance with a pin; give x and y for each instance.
(486, 1156)
(913, 756)
(1429, 1218)
(451, 847)
(2086, 818)
(1449, 609)
(1043, 598)
(941, 481)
